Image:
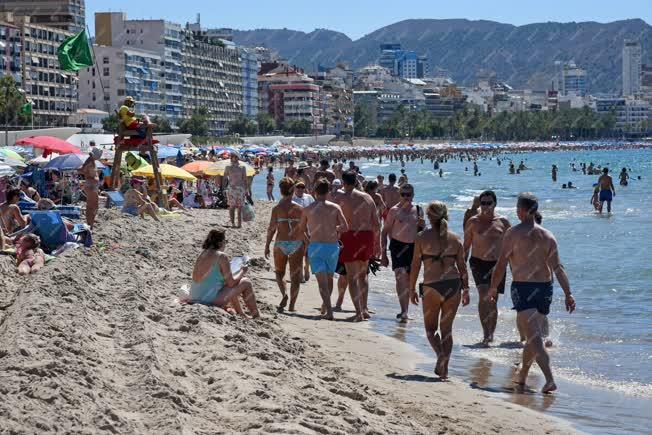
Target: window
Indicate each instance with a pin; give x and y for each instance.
(106, 72)
(105, 60)
(93, 72)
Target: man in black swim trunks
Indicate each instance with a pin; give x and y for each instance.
(483, 237)
(533, 257)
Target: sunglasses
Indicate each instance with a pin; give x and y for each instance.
(407, 194)
(487, 203)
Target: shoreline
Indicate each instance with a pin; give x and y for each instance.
(97, 341)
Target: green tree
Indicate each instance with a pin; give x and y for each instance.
(197, 124)
(266, 123)
(302, 126)
(243, 126)
(162, 124)
(12, 100)
(110, 123)
(363, 121)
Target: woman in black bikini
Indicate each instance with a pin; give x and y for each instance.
(445, 282)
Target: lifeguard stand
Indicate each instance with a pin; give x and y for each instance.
(130, 140)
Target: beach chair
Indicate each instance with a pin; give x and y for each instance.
(49, 226)
(114, 198)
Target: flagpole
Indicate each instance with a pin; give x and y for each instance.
(99, 74)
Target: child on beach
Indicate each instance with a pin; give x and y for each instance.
(29, 257)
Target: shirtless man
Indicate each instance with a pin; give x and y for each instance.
(323, 221)
(533, 257)
(358, 242)
(310, 172)
(483, 235)
(607, 189)
(338, 169)
(291, 170)
(390, 193)
(91, 185)
(324, 172)
(236, 176)
(402, 224)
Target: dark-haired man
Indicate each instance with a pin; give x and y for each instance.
(390, 193)
(483, 236)
(532, 254)
(607, 189)
(358, 242)
(323, 221)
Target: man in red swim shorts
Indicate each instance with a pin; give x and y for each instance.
(358, 242)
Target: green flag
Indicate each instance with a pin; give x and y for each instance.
(26, 109)
(74, 53)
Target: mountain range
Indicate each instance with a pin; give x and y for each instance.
(523, 56)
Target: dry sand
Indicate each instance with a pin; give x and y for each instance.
(97, 343)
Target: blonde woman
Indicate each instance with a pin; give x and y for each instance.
(445, 282)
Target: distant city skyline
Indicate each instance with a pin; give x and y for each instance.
(356, 19)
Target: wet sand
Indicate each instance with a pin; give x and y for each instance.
(98, 343)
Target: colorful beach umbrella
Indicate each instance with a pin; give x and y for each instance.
(49, 145)
(197, 167)
(217, 169)
(69, 162)
(6, 171)
(167, 171)
(10, 154)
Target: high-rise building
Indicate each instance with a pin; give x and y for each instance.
(157, 36)
(403, 63)
(52, 91)
(337, 98)
(288, 94)
(10, 51)
(646, 82)
(68, 15)
(212, 78)
(119, 73)
(572, 80)
(631, 67)
(249, 82)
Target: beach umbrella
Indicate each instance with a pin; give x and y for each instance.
(69, 162)
(219, 167)
(167, 171)
(165, 152)
(6, 170)
(49, 145)
(40, 160)
(6, 153)
(13, 163)
(197, 167)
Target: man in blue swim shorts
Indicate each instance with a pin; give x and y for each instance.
(607, 189)
(324, 221)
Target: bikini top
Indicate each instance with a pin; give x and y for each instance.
(288, 220)
(439, 257)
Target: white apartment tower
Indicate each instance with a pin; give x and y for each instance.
(631, 67)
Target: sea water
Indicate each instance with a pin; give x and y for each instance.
(602, 352)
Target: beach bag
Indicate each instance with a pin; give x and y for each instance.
(420, 216)
(248, 213)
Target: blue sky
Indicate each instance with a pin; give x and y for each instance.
(359, 17)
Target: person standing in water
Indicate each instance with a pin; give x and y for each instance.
(483, 236)
(532, 254)
(445, 282)
(554, 173)
(607, 189)
(624, 177)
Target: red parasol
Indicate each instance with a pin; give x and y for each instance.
(49, 145)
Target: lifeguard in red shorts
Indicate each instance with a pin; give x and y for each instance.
(127, 115)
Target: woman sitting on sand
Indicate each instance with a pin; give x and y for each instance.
(11, 219)
(445, 282)
(212, 281)
(289, 245)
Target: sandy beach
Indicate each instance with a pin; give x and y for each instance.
(98, 343)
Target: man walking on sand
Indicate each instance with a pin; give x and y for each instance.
(236, 176)
(532, 254)
(358, 242)
(607, 189)
(483, 236)
(402, 224)
(323, 221)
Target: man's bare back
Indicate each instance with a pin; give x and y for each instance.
(324, 220)
(532, 253)
(391, 196)
(359, 210)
